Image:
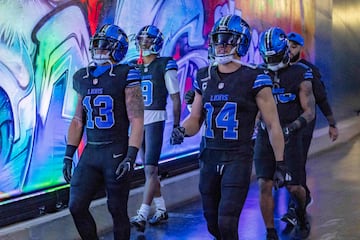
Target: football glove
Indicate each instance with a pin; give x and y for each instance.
(124, 167)
(177, 135)
(127, 164)
(281, 176)
(288, 131)
(67, 167)
(68, 161)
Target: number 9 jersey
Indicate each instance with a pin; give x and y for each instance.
(103, 98)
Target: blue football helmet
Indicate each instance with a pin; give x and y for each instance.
(150, 40)
(274, 48)
(229, 30)
(111, 38)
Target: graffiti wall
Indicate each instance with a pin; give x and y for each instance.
(42, 44)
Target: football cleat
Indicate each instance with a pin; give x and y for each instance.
(159, 217)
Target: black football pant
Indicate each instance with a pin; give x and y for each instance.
(96, 168)
(224, 184)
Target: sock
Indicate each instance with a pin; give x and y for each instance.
(159, 203)
(144, 210)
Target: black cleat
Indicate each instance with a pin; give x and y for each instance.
(302, 230)
(290, 217)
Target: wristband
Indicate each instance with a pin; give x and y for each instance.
(132, 152)
(176, 125)
(69, 152)
(280, 163)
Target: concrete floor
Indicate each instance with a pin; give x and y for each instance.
(334, 180)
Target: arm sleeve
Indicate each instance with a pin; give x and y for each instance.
(321, 97)
(171, 81)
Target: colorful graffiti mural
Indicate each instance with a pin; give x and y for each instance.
(42, 43)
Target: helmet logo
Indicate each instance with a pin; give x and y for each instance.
(269, 53)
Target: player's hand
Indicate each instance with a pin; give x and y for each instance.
(333, 133)
(67, 167)
(124, 167)
(177, 135)
(281, 176)
(189, 97)
(287, 131)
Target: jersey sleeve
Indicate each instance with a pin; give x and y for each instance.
(202, 76)
(308, 74)
(320, 95)
(133, 77)
(171, 65)
(262, 80)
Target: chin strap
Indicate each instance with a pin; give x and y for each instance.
(94, 63)
(250, 65)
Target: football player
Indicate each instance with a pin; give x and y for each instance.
(228, 96)
(292, 90)
(158, 81)
(296, 43)
(109, 102)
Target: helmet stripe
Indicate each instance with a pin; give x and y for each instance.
(224, 22)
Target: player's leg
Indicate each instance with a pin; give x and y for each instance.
(117, 194)
(209, 187)
(153, 138)
(307, 137)
(295, 160)
(152, 157)
(265, 166)
(234, 189)
(85, 183)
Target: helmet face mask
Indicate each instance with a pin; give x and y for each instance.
(110, 43)
(232, 31)
(103, 44)
(274, 58)
(150, 40)
(225, 39)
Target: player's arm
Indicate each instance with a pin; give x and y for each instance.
(322, 101)
(269, 115)
(307, 102)
(75, 132)
(135, 110)
(193, 123)
(76, 127)
(172, 85)
(176, 108)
